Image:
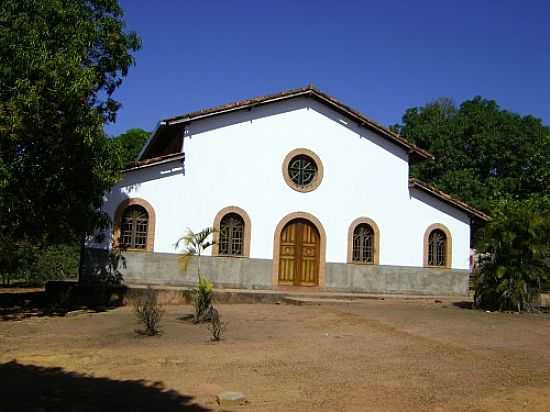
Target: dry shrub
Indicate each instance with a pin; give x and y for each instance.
(148, 311)
(216, 326)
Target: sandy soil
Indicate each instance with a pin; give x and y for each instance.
(374, 355)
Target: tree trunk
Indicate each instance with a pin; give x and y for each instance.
(199, 265)
(81, 262)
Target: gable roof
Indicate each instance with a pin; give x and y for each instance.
(445, 197)
(308, 91)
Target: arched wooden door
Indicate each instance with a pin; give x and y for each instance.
(299, 254)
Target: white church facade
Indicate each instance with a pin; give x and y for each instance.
(303, 191)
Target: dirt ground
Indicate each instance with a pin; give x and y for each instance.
(368, 356)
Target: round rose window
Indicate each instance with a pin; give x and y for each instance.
(302, 170)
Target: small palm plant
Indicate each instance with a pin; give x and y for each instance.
(194, 244)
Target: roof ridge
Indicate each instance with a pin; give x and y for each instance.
(363, 120)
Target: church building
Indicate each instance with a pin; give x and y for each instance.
(303, 191)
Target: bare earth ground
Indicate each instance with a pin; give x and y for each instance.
(373, 355)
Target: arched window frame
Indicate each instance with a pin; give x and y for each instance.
(246, 231)
(448, 246)
(376, 243)
(149, 245)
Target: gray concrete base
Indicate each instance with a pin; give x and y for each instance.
(224, 272)
(396, 279)
(248, 273)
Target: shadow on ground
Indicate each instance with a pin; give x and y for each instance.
(33, 388)
(18, 304)
(15, 305)
(464, 305)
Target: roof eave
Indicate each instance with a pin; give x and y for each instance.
(445, 197)
(154, 162)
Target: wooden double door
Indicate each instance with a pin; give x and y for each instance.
(299, 251)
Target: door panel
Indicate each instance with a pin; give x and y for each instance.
(299, 254)
(287, 253)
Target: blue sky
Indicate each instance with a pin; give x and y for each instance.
(378, 57)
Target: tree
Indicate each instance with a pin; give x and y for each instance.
(194, 244)
(482, 152)
(130, 143)
(60, 64)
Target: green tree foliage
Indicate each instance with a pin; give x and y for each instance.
(60, 63)
(482, 152)
(130, 144)
(515, 255)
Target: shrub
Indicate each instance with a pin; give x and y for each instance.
(148, 311)
(55, 262)
(216, 326)
(35, 265)
(202, 298)
(515, 256)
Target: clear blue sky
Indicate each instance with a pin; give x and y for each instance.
(378, 57)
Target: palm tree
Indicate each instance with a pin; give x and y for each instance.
(194, 244)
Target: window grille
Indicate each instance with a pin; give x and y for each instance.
(231, 235)
(302, 170)
(363, 244)
(437, 248)
(133, 231)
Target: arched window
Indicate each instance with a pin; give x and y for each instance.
(134, 227)
(231, 238)
(437, 248)
(363, 244)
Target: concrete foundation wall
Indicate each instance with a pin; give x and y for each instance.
(396, 279)
(245, 273)
(224, 272)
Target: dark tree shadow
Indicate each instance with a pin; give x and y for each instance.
(17, 306)
(59, 298)
(33, 388)
(464, 305)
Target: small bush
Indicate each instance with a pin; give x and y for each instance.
(202, 299)
(148, 311)
(216, 326)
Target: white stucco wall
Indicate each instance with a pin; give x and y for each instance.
(236, 160)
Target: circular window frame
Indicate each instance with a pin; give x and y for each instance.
(314, 184)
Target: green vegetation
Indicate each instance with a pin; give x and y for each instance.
(482, 152)
(515, 262)
(33, 266)
(202, 299)
(61, 61)
(130, 143)
(194, 245)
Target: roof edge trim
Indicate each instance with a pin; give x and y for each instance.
(445, 197)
